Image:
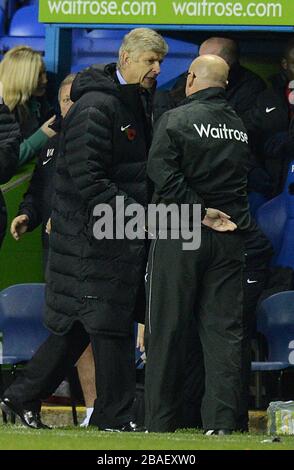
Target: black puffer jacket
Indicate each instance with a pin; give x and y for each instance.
(103, 154)
(9, 151)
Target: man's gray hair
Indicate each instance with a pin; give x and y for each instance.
(66, 81)
(140, 40)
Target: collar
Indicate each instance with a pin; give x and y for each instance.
(208, 93)
(120, 78)
(235, 74)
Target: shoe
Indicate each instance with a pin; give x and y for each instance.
(218, 432)
(86, 421)
(29, 418)
(128, 427)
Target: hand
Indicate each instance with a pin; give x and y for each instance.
(46, 129)
(140, 337)
(48, 226)
(218, 221)
(19, 226)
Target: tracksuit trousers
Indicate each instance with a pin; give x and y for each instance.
(206, 283)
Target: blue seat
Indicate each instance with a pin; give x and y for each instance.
(256, 200)
(25, 22)
(8, 42)
(21, 311)
(275, 321)
(276, 219)
(21, 325)
(2, 22)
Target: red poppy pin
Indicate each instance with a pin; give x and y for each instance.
(131, 133)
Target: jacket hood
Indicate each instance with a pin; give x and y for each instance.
(98, 77)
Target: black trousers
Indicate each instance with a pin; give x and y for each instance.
(254, 281)
(205, 283)
(114, 367)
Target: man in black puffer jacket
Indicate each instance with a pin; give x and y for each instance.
(9, 153)
(93, 285)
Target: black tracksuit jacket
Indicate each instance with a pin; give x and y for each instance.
(212, 161)
(271, 128)
(37, 201)
(243, 88)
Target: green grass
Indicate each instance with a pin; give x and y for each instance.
(19, 438)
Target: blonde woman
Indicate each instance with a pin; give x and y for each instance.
(23, 74)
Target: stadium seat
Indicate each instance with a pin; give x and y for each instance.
(275, 321)
(21, 310)
(256, 200)
(21, 325)
(276, 219)
(2, 22)
(25, 23)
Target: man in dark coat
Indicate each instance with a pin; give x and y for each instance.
(270, 122)
(9, 153)
(198, 156)
(93, 285)
(36, 209)
(242, 90)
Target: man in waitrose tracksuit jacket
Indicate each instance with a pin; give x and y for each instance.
(198, 156)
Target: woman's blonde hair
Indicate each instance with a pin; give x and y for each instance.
(20, 72)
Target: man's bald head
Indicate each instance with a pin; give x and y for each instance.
(205, 72)
(225, 48)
